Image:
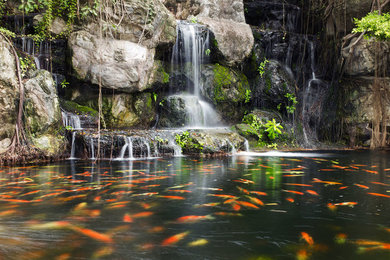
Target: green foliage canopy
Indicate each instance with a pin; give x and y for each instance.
(375, 25)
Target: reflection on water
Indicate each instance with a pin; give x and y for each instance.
(307, 206)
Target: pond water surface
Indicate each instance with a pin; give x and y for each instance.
(331, 205)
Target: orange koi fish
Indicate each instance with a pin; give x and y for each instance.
(31, 192)
(127, 218)
(259, 193)
(174, 239)
(302, 254)
(315, 180)
(213, 204)
(362, 186)
(298, 184)
(327, 170)
(17, 200)
(305, 236)
(380, 183)
(193, 218)
(289, 199)
(294, 191)
(8, 212)
(229, 201)
(93, 234)
(312, 192)
(143, 214)
(343, 187)
(173, 197)
(256, 200)
(340, 238)
(247, 204)
(181, 191)
(369, 171)
(378, 194)
(347, 203)
(236, 207)
(331, 206)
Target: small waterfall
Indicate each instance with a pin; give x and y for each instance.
(73, 150)
(233, 151)
(71, 120)
(189, 53)
(246, 145)
(146, 143)
(128, 146)
(92, 149)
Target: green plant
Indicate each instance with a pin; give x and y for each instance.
(154, 94)
(374, 25)
(26, 64)
(273, 146)
(86, 10)
(248, 95)
(273, 129)
(261, 68)
(292, 102)
(187, 142)
(194, 19)
(64, 83)
(207, 52)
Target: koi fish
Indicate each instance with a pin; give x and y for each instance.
(315, 180)
(143, 214)
(172, 197)
(236, 207)
(305, 236)
(213, 189)
(312, 192)
(380, 183)
(289, 199)
(181, 191)
(127, 218)
(369, 171)
(174, 239)
(340, 238)
(207, 205)
(256, 200)
(199, 242)
(378, 194)
(93, 234)
(222, 213)
(302, 255)
(225, 196)
(259, 193)
(343, 187)
(294, 191)
(247, 204)
(193, 218)
(298, 184)
(362, 186)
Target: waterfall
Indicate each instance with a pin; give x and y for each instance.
(71, 120)
(233, 151)
(246, 145)
(92, 149)
(188, 56)
(146, 143)
(128, 146)
(72, 151)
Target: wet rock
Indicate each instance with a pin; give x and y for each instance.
(227, 89)
(9, 92)
(232, 10)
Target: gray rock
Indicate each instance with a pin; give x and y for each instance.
(232, 10)
(9, 92)
(234, 40)
(360, 59)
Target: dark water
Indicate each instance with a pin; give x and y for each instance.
(131, 209)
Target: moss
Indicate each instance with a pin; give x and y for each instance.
(222, 78)
(77, 109)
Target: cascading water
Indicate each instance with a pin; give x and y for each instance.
(189, 53)
(71, 120)
(73, 150)
(127, 147)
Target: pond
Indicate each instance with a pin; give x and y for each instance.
(317, 205)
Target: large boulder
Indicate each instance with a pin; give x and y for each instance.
(232, 10)
(227, 89)
(117, 64)
(360, 58)
(8, 94)
(43, 114)
(122, 56)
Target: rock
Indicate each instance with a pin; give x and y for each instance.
(41, 103)
(118, 64)
(227, 89)
(58, 25)
(271, 88)
(124, 111)
(43, 114)
(233, 40)
(360, 60)
(9, 92)
(232, 10)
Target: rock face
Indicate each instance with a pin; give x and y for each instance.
(8, 94)
(232, 10)
(123, 59)
(360, 59)
(42, 113)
